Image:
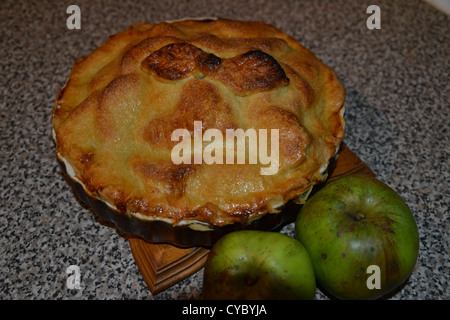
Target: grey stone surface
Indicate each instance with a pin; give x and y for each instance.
(397, 113)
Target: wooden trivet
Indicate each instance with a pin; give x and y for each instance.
(163, 265)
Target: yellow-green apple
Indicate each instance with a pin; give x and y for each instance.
(361, 236)
(253, 265)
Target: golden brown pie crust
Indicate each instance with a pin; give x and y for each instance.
(114, 118)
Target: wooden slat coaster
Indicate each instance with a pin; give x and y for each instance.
(348, 163)
(163, 265)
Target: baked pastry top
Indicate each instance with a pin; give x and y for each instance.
(113, 121)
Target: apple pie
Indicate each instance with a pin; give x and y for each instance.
(141, 126)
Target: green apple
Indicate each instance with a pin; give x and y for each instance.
(254, 265)
(361, 236)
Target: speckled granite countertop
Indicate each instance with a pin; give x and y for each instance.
(397, 113)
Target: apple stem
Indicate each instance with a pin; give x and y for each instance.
(358, 216)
